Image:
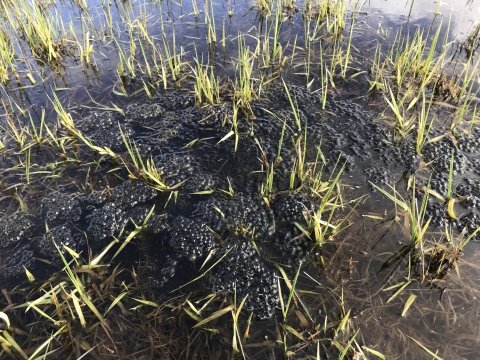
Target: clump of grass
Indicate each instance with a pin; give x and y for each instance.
(321, 226)
(85, 48)
(40, 28)
(210, 23)
(7, 56)
(265, 6)
(73, 306)
(415, 214)
(472, 43)
(428, 260)
(414, 67)
(173, 59)
(144, 169)
(15, 132)
(126, 64)
(331, 14)
(207, 90)
(424, 124)
(244, 89)
(414, 75)
(443, 255)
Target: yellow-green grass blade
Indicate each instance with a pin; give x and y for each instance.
(344, 352)
(11, 342)
(374, 352)
(47, 342)
(146, 302)
(409, 303)
(401, 288)
(402, 204)
(344, 321)
(215, 315)
(117, 299)
(435, 356)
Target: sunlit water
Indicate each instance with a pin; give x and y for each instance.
(443, 320)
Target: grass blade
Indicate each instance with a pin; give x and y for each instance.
(435, 356)
(409, 302)
(215, 315)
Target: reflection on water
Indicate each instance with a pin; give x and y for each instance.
(465, 13)
(377, 22)
(346, 273)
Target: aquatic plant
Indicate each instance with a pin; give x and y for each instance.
(90, 306)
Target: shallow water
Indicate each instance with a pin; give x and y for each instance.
(345, 272)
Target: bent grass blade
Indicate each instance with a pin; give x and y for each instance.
(79, 287)
(409, 303)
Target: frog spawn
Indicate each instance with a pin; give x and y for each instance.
(13, 265)
(249, 212)
(102, 129)
(60, 206)
(191, 238)
(140, 112)
(16, 255)
(110, 213)
(57, 240)
(229, 225)
(242, 272)
(16, 227)
(185, 232)
(228, 217)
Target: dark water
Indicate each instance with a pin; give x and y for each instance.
(342, 275)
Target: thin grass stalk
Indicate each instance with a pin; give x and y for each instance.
(349, 44)
(423, 131)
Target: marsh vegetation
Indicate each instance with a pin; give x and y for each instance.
(264, 180)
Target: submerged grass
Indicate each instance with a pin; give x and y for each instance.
(88, 306)
(428, 258)
(76, 303)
